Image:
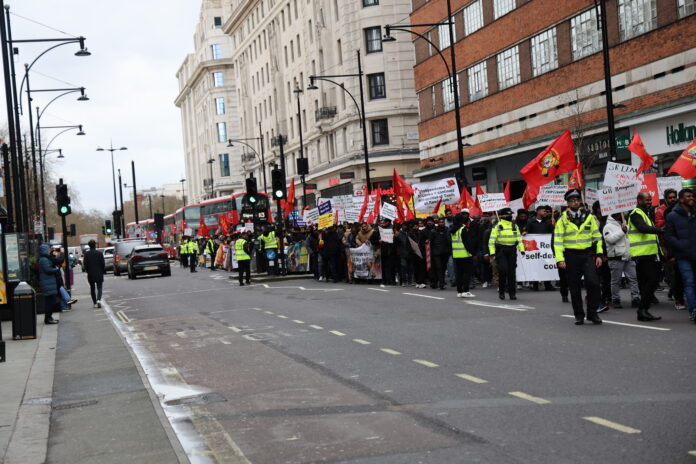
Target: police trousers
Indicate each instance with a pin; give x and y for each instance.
(579, 264)
(506, 262)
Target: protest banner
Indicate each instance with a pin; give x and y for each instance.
(297, 258)
(427, 194)
(342, 201)
(326, 220)
(352, 215)
(552, 195)
(591, 195)
(388, 211)
(492, 201)
(618, 174)
(618, 199)
(538, 263)
(649, 185)
(311, 216)
(325, 208)
(366, 262)
(386, 235)
(671, 182)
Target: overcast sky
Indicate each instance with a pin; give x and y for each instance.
(137, 47)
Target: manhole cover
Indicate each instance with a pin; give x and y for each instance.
(205, 398)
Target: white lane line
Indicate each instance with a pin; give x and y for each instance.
(269, 312)
(471, 378)
(377, 289)
(257, 309)
(533, 399)
(692, 453)
(424, 296)
(282, 317)
(361, 341)
(234, 329)
(225, 342)
(181, 334)
(611, 425)
(336, 332)
(390, 351)
(627, 324)
(318, 327)
(500, 306)
(297, 321)
(425, 363)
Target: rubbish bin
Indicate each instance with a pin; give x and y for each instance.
(23, 312)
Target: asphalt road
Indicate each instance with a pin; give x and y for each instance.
(303, 371)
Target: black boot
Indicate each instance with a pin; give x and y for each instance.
(645, 316)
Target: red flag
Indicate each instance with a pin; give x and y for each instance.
(290, 202)
(401, 188)
(685, 165)
(636, 146)
(224, 225)
(203, 230)
(479, 191)
(437, 206)
(465, 201)
(506, 192)
(378, 202)
(556, 159)
(364, 206)
(399, 209)
(576, 181)
(530, 195)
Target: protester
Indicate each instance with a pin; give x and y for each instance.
(619, 260)
(94, 266)
(504, 241)
(680, 235)
(540, 223)
(603, 271)
(671, 272)
(387, 256)
(402, 245)
(440, 249)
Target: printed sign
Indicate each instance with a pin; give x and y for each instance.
(386, 235)
(492, 201)
(516, 205)
(618, 174)
(366, 262)
(552, 195)
(311, 216)
(352, 215)
(342, 201)
(326, 220)
(388, 211)
(591, 195)
(671, 182)
(427, 194)
(649, 185)
(618, 199)
(325, 208)
(538, 263)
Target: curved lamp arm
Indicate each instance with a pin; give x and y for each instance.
(343, 87)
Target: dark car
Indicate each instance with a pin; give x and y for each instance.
(122, 251)
(148, 259)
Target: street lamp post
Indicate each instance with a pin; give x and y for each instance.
(361, 108)
(113, 169)
(183, 192)
(121, 217)
(212, 188)
(231, 142)
(162, 197)
(601, 7)
(135, 194)
(298, 91)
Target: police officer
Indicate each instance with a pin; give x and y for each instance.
(502, 245)
(461, 255)
(270, 246)
(183, 251)
(210, 249)
(645, 249)
(242, 249)
(192, 248)
(577, 240)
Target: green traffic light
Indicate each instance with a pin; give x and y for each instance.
(64, 210)
(252, 199)
(279, 194)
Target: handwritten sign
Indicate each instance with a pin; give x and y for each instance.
(427, 194)
(671, 182)
(311, 216)
(618, 174)
(618, 199)
(492, 201)
(388, 211)
(386, 235)
(591, 195)
(552, 195)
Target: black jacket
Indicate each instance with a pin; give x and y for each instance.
(680, 233)
(440, 242)
(536, 227)
(94, 265)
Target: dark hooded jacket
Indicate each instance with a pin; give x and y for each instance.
(680, 233)
(47, 272)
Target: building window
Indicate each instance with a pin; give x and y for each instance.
(478, 81)
(215, 50)
(217, 22)
(218, 79)
(220, 105)
(686, 7)
(373, 39)
(502, 7)
(222, 131)
(636, 17)
(443, 33)
(473, 18)
(378, 88)
(224, 165)
(585, 34)
(544, 52)
(508, 68)
(447, 94)
(370, 2)
(339, 51)
(380, 132)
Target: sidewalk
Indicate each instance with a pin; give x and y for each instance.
(76, 394)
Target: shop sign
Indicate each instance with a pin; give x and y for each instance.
(334, 181)
(680, 134)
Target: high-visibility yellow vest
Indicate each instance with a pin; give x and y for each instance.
(210, 246)
(239, 250)
(641, 244)
(185, 248)
(505, 233)
(270, 241)
(568, 236)
(193, 247)
(458, 248)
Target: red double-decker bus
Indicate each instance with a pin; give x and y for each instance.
(187, 219)
(237, 208)
(144, 229)
(170, 235)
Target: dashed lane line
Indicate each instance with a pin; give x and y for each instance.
(425, 363)
(390, 351)
(611, 425)
(234, 329)
(692, 453)
(336, 332)
(269, 312)
(626, 324)
(225, 342)
(317, 327)
(471, 378)
(533, 399)
(499, 306)
(377, 289)
(282, 317)
(424, 296)
(361, 341)
(297, 321)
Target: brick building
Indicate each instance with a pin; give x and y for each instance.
(529, 69)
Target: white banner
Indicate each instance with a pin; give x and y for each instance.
(427, 194)
(515, 205)
(552, 195)
(618, 199)
(311, 216)
(591, 195)
(538, 263)
(388, 211)
(673, 182)
(386, 235)
(618, 174)
(342, 201)
(352, 215)
(492, 201)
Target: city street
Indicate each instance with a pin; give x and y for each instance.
(302, 371)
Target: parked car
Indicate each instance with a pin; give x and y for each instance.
(122, 251)
(148, 259)
(108, 259)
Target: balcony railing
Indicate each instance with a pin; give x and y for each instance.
(248, 157)
(326, 112)
(276, 141)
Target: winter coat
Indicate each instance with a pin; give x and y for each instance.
(47, 272)
(440, 242)
(402, 244)
(94, 265)
(536, 227)
(616, 240)
(680, 233)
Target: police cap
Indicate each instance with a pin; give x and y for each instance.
(505, 212)
(574, 193)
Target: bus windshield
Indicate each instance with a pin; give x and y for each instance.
(192, 213)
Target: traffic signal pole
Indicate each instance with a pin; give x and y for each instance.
(66, 261)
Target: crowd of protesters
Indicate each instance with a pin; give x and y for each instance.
(637, 250)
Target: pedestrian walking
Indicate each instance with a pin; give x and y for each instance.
(243, 249)
(680, 235)
(619, 260)
(48, 284)
(578, 248)
(95, 268)
(503, 244)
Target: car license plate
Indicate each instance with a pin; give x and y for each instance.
(151, 268)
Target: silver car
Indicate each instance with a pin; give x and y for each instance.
(108, 259)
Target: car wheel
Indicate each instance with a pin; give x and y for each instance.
(116, 273)
(131, 275)
(167, 274)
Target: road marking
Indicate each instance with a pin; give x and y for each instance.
(121, 315)
(424, 296)
(390, 351)
(611, 425)
(255, 309)
(533, 399)
(377, 289)
(181, 334)
(501, 306)
(376, 437)
(693, 453)
(318, 327)
(297, 321)
(426, 363)
(361, 341)
(235, 329)
(336, 332)
(282, 317)
(225, 342)
(471, 378)
(269, 312)
(627, 324)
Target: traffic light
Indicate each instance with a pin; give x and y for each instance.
(251, 190)
(63, 200)
(117, 222)
(103, 230)
(73, 230)
(107, 227)
(278, 183)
